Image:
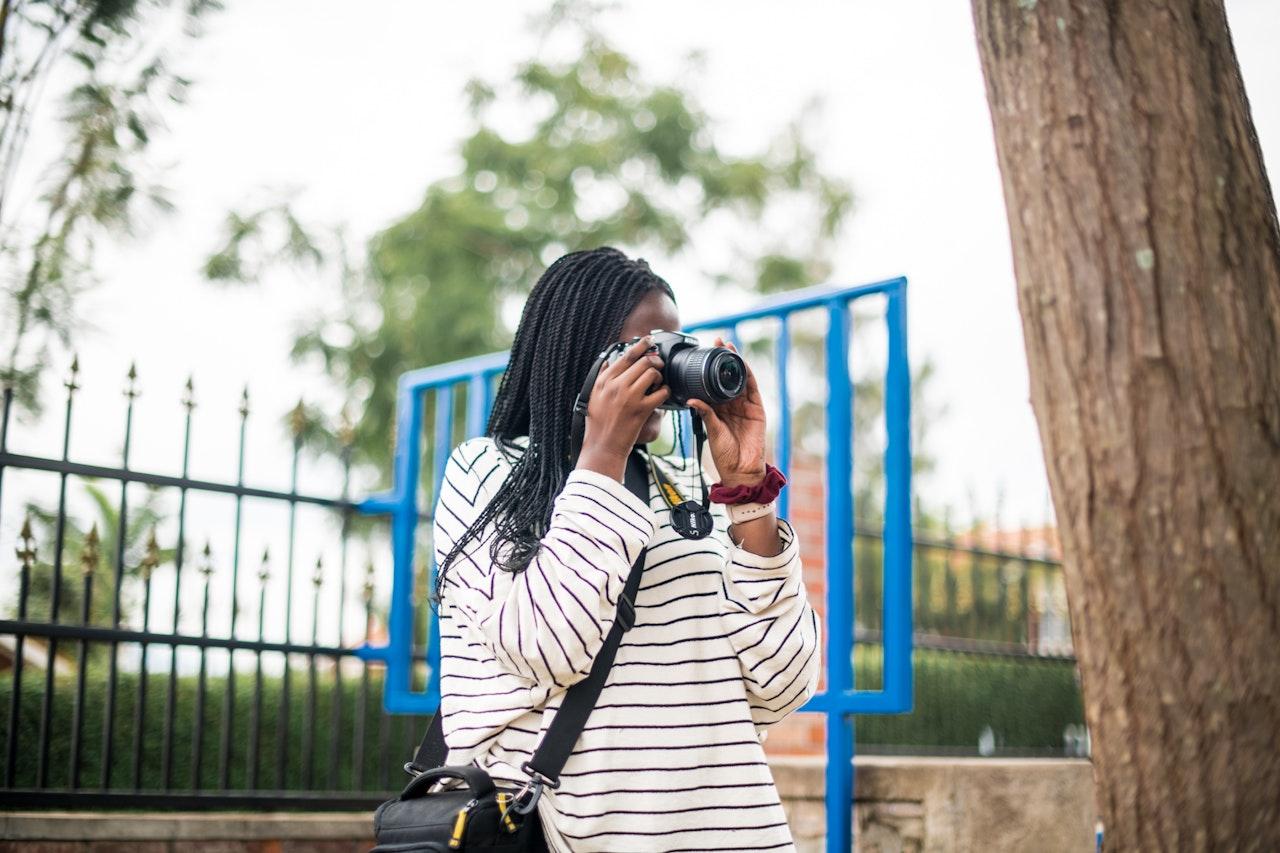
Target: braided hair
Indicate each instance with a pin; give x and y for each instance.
(576, 310)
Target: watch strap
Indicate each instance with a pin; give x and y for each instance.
(739, 513)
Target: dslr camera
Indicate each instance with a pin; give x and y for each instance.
(714, 375)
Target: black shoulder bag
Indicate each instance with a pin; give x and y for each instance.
(480, 815)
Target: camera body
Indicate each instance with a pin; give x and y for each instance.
(714, 375)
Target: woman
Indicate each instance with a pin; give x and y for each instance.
(533, 554)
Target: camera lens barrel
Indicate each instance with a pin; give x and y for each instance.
(712, 374)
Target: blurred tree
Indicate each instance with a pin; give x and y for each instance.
(610, 158)
(869, 437)
(105, 57)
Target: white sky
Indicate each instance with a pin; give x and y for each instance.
(360, 107)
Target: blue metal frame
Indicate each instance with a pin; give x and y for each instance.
(841, 700)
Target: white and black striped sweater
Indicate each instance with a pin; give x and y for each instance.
(724, 645)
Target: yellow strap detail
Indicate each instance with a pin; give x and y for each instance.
(458, 825)
(504, 799)
(666, 488)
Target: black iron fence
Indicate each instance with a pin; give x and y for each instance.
(995, 672)
(167, 640)
(144, 663)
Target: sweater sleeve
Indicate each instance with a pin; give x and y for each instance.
(772, 627)
(546, 623)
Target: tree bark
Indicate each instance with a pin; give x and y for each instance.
(1147, 257)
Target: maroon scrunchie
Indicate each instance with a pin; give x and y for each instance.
(761, 493)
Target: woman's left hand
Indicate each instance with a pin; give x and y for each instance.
(735, 431)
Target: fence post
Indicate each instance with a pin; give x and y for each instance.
(840, 604)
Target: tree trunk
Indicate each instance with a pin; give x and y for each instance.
(1148, 263)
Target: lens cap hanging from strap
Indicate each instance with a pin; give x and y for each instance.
(690, 519)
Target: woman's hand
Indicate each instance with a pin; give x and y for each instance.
(735, 431)
(620, 403)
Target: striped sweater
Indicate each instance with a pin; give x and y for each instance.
(724, 645)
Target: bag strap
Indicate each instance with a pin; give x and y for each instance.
(562, 735)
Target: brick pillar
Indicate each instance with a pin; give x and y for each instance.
(805, 734)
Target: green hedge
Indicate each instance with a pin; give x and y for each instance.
(385, 742)
(1026, 703)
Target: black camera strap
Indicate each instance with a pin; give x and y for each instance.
(578, 425)
(562, 735)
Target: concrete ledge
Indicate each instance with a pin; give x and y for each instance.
(901, 804)
(185, 826)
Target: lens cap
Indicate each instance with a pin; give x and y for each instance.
(691, 520)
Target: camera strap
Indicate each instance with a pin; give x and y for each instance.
(690, 519)
(578, 425)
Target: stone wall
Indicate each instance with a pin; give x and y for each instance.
(948, 804)
(912, 805)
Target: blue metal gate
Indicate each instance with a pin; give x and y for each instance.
(841, 700)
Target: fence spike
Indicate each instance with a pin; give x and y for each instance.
(71, 384)
(206, 561)
(131, 387)
(189, 394)
(151, 557)
(244, 402)
(89, 555)
(317, 577)
(264, 570)
(26, 550)
(298, 419)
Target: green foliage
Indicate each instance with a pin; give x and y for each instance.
(1027, 703)
(610, 157)
(106, 52)
(359, 728)
(248, 232)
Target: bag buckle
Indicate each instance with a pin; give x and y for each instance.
(523, 808)
(536, 783)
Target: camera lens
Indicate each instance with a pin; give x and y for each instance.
(711, 374)
(729, 374)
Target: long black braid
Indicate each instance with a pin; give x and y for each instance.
(576, 309)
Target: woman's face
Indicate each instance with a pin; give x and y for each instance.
(654, 311)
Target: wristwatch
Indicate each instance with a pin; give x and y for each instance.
(739, 513)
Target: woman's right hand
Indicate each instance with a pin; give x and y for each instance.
(620, 404)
